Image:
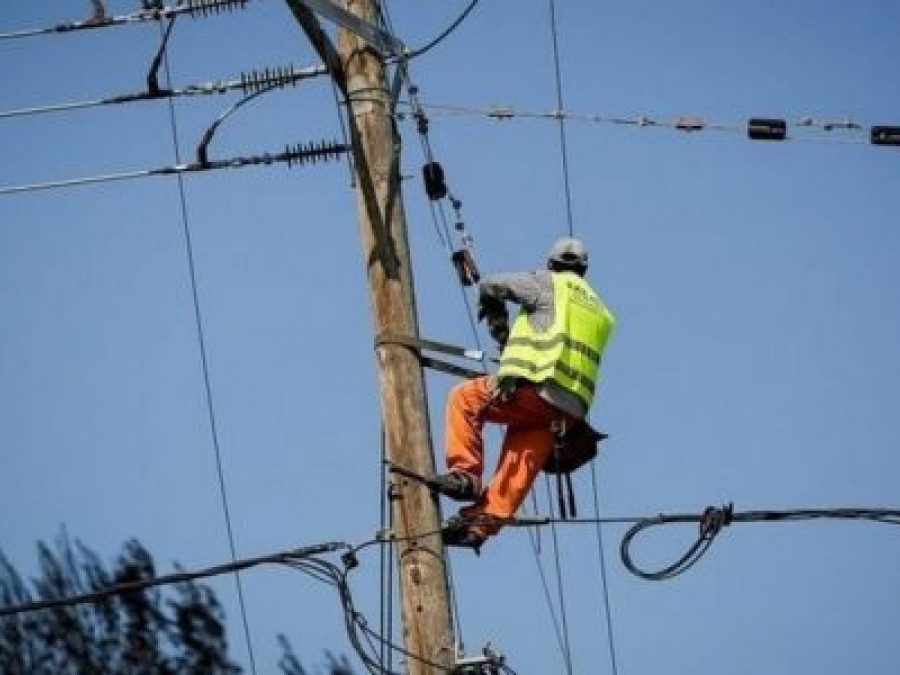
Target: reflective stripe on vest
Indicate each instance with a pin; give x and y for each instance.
(568, 352)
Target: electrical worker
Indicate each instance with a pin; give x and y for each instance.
(548, 374)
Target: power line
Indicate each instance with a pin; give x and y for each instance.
(292, 155)
(153, 11)
(820, 130)
(603, 580)
(104, 594)
(445, 33)
(713, 520)
(563, 615)
(246, 82)
(198, 320)
(564, 156)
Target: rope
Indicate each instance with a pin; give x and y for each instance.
(204, 363)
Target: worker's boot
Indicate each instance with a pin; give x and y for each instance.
(456, 485)
(457, 532)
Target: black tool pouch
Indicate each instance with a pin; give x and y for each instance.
(576, 445)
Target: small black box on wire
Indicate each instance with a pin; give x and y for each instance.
(435, 186)
(465, 266)
(766, 129)
(884, 135)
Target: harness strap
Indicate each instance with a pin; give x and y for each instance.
(565, 492)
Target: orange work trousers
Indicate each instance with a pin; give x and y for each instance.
(526, 447)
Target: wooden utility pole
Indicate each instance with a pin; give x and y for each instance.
(427, 625)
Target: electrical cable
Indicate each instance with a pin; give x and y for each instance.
(195, 8)
(564, 155)
(387, 558)
(445, 33)
(684, 124)
(560, 106)
(713, 520)
(603, 580)
(292, 155)
(567, 652)
(204, 361)
(75, 182)
(282, 76)
(422, 126)
(533, 539)
(564, 158)
(109, 592)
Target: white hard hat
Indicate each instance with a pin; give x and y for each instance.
(569, 251)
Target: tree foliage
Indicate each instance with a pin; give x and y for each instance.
(158, 631)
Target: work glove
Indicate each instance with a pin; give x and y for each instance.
(488, 306)
(498, 327)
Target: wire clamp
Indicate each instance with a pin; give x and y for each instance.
(489, 662)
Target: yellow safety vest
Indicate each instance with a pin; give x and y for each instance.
(568, 352)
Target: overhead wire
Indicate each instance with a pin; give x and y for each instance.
(563, 148)
(194, 8)
(112, 591)
(567, 193)
(283, 76)
(548, 598)
(201, 340)
(610, 639)
(824, 130)
(560, 593)
(445, 33)
(724, 516)
(713, 520)
(291, 155)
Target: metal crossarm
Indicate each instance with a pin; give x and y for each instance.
(384, 41)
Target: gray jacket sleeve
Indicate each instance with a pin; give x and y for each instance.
(533, 291)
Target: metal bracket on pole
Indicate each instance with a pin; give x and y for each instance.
(384, 41)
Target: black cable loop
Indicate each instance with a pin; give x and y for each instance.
(203, 146)
(444, 34)
(710, 523)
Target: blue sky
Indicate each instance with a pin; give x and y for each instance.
(756, 284)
